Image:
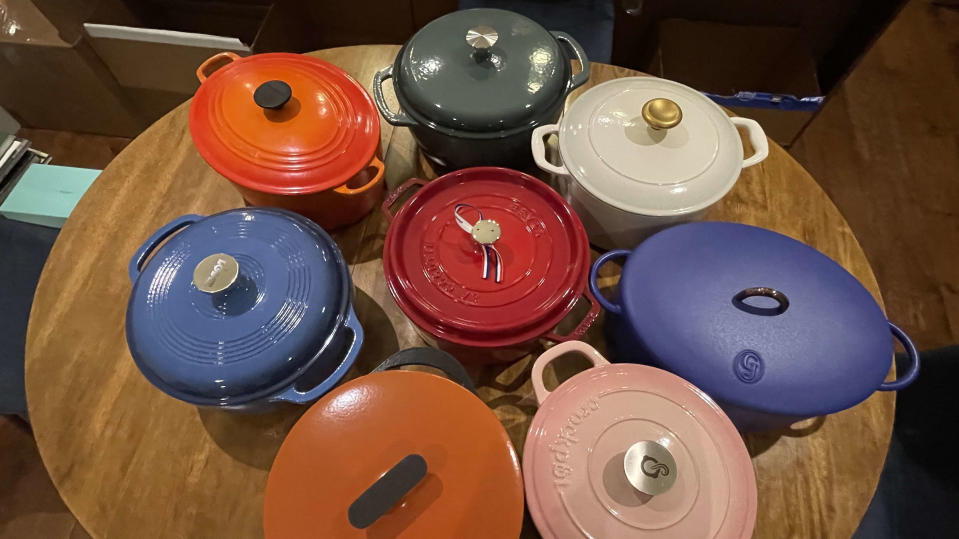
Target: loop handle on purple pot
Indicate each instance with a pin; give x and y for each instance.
(594, 276)
(165, 231)
(912, 372)
(294, 395)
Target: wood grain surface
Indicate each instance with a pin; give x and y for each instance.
(130, 461)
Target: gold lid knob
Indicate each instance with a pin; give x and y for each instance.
(662, 113)
(215, 273)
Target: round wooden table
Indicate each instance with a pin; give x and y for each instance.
(130, 461)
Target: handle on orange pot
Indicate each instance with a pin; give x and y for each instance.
(387, 491)
(583, 325)
(375, 181)
(395, 195)
(547, 357)
(205, 70)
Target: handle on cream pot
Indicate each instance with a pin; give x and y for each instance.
(395, 195)
(577, 347)
(757, 137)
(594, 276)
(213, 63)
(375, 181)
(539, 149)
(912, 372)
(580, 78)
(394, 118)
(165, 231)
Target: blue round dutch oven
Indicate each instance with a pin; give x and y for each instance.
(772, 329)
(242, 309)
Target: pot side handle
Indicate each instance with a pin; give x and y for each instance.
(539, 149)
(165, 231)
(394, 118)
(583, 325)
(429, 357)
(294, 395)
(594, 276)
(580, 78)
(395, 195)
(757, 137)
(213, 63)
(377, 179)
(912, 372)
(576, 347)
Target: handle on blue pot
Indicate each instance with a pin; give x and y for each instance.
(580, 78)
(594, 275)
(912, 372)
(394, 118)
(294, 395)
(165, 231)
(429, 357)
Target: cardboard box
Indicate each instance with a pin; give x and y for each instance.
(725, 59)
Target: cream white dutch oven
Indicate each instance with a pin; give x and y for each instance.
(641, 153)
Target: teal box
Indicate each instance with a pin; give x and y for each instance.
(46, 194)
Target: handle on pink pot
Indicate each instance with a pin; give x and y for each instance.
(583, 325)
(757, 137)
(205, 70)
(577, 347)
(165, 231)
(395, 195)
(377, 179)
(539, 149)
(912, 372)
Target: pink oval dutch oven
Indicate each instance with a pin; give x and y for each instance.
(626, 450)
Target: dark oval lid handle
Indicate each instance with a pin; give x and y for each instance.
(429, 357)
(272, 94)
(740, 303)
(387, 491)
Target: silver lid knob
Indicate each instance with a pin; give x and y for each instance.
(215, 273)
(481, 37)
(650, 467)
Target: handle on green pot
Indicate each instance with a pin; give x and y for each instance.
(165, 231)
(294, 395)
(578, 347)
(395, 118)
(539, 149)
(594, 276)
(577, 79)
(912, 372)
(429, 357)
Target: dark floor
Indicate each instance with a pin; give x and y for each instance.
(885, 147)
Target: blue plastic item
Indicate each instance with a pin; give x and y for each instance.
(765, 100)
(285, 329)
(771, 328)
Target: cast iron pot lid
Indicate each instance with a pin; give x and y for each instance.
(436, 271)
(234, 306)
(397, 454)
(284, 123)
(481, 70)
(756, 319)
(629, 450)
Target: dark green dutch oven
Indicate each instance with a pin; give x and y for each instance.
(472, 85)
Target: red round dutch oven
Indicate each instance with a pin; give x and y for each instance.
(486, 262)
(290, 131)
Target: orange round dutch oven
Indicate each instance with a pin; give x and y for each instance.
(397, 453)
(290, 131)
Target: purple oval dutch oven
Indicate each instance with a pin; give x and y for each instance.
(772, 329)
(242, 309)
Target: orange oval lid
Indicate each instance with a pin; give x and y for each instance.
(375, 430)
(283, 123)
